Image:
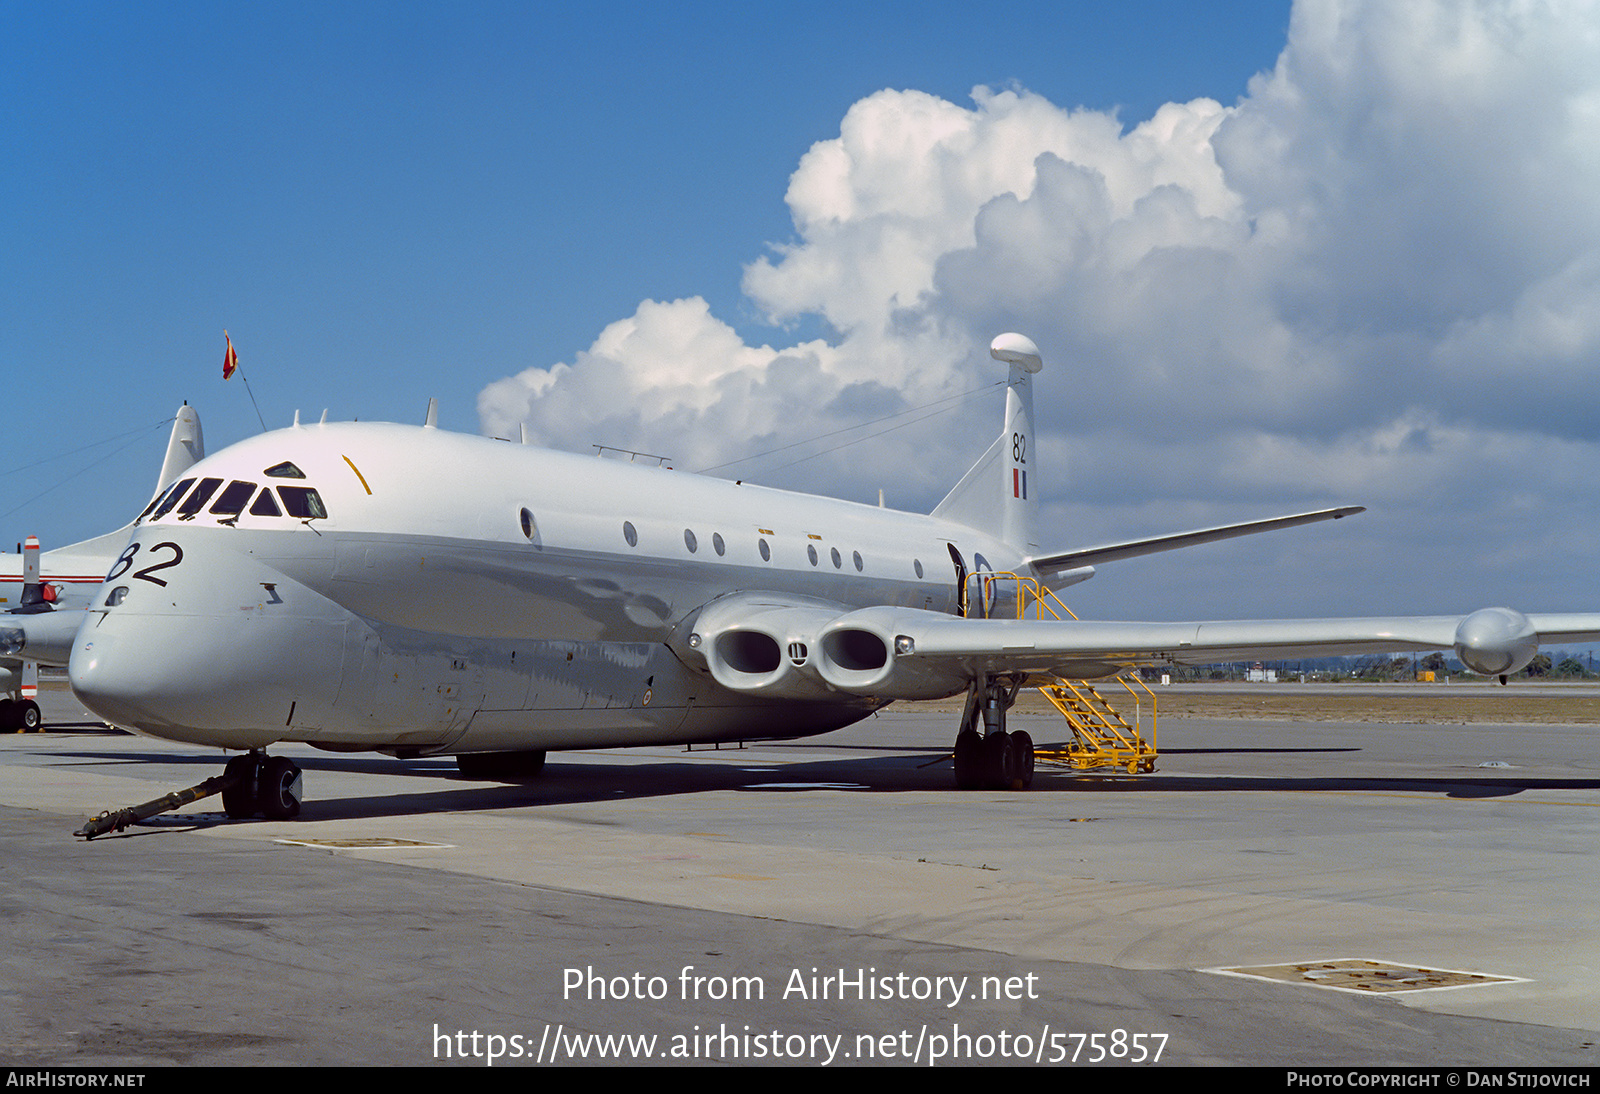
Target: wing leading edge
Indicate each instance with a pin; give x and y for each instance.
(909, 653)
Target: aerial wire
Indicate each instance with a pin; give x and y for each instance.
(136, 434)
(859, 425)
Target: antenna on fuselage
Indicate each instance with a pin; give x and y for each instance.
(432, 420)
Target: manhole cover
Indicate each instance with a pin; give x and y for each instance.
(1360, 975)
(362, 843)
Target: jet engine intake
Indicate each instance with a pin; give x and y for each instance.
(866, 653)
(760, 645)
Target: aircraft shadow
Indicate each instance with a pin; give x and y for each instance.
(924, 771)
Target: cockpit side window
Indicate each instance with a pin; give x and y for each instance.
(302, 502)
(232, 500)
(202, 494)
(265, 506)
(172, 499)
(284, 470)
(155, 501)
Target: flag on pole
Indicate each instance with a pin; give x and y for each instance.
(230, 360)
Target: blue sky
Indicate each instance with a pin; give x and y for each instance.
(383, 202)
(387, 202)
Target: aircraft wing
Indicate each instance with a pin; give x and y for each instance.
(787, 647)
(904, 653)
(1047, 565)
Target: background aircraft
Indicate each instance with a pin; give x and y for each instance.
(376, 586)
(42, 598)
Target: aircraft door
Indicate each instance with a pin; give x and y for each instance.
(961, 579)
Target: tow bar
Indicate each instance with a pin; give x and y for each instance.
(115, 820)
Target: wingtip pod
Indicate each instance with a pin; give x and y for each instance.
(1496, 641)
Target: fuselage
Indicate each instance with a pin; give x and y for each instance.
(377, 586)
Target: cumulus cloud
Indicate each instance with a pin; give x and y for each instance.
(1376, 277)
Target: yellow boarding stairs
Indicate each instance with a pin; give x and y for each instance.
(1101, 735)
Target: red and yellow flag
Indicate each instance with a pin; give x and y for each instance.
(230, 360)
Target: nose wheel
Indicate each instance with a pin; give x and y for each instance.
(270, 785)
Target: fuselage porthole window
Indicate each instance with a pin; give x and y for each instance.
(766, 552)
(717, 544)
(530, 530)
(689, 541)
(117, 596)
(811, 553)
(630, 533)
(916, 564)
(838, 562)
(857, 556)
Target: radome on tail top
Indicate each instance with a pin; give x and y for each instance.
(370, 586)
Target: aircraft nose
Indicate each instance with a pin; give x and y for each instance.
(202, 679)
(150, 674)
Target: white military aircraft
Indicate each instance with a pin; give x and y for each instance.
(383, 587)
(42, 599)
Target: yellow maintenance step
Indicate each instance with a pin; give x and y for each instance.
(1101, 735)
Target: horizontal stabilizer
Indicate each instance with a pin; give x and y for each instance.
(1048, 565)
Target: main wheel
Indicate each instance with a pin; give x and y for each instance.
(969, 760)
(281, 789)
(501, 765)
(27, 715)
(239, 800)
(999, 764)
(1022, 759)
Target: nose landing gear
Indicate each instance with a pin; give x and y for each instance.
(250, 784)
(269, 785)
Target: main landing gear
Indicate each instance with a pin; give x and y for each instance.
(987, 756)
(501, 765)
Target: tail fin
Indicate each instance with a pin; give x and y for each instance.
(185, 448)
(995, 495)
(36, 595)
